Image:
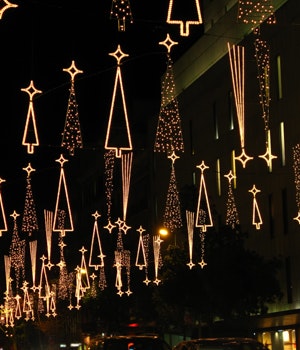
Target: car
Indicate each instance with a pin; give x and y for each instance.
(133, 342)
(224, 343)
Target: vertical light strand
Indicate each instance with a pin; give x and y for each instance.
(33, 251)
(126, 175)
(48, 218)
(190, 230)
(232, 217)
(296, 166)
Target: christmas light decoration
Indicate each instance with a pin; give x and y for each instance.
(102, 279)
(172, 214)
(202, 263)
(72, 138)
(27, 303)
(184, 25)
(140, 260)
(3, 222)
(109, 163)
(232, 217)
(157, 257)
(146, 240)
(237, 58)
(168, 137)
(48, 218)
(256, 12)
(17, 252)
(96, 252)
(30, 135)
(126, 262)
(203, 205)
(6, 5)
(190, 219)
(43, 288)
(62, 203)
(168, 42)
(296, 166)
(33, 251)
(121, 11)
(63, 280)
(126, 174)
(29, 222)
(118, 135)
(256, 216)
(84, 276)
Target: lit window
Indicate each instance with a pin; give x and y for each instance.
(279, 78)
(218, 172)
(282, 144)
(230, 109)
(215, 119)
(233, 167)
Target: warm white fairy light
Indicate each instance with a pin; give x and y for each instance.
(172, 214)
(121, 11)
(237, 59)
(169, 133)
(202, 262)
(109, 164)
(30, 135)
(6, 5)
(29, 221)
(3, 228)
(184, 25)
(33, 251)
(296, 166)
(256, 12)
(27, 303)
(62, 202)
(127, 264)
(126, 176)
(72, 138)
(256, 215)
(63, 279)
(48, 218)
(190, 219)
(118, 266)
(140, 260)
(17, 252)
(96, 256)
(168, 43)
(203, 202)
(232, 217)
(102, 279)
(110, 143)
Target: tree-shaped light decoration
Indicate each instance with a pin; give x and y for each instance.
(203, 202)
(85, 280)
(168, 137)
(296, 166)
(127, 264)
(118, 135)
(184, 24)
(146, 241)
(44, 288)
(30, 135)
(102, 279)
(72, 138)
(172, 214)
(29, 221)
(118, 266)
(256, 12)
(93, 289)
(96, 256)
(202, 262)
(33, 254)
(3, 222)
(237, 66)
(7, 268)
(17, 252)
(157, 257)
(5, 6)
(232, 217)
(109, 164)
(140, 260)
(62, 203)
(126, 175)
(48, 218)
(63, 280)
(71, 288)
(121, 11)
(18, 312)
(190, 219)
(262, 56)
(256, 215)
(27, 303)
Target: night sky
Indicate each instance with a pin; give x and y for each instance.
(39, 39)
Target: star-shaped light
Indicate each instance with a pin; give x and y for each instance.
(31, 90)
(128, 292)
(146, 281)
(254, 190)
(6, 7)
(72, 70)
(157, 281)
(230, 176)
(29, 169)
(202, 166)
(96, 215)
(168, 43)
(202, 263)
(118, 54)
(268, 157)
(173, 157)
(297, 218)
(190, 265)
(14, 215)
(109, 226)
(61, 160)
(243, 158)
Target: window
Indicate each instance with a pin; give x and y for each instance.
(279, 78)
(282, 144)
(218, 173)
(230, 110)
(215, 120)
(233, 168)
